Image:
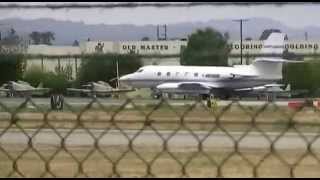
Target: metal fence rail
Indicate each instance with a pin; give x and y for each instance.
(161, 139)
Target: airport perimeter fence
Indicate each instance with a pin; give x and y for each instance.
(132, 138)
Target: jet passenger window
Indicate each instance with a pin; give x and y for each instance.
(195, 74)
(159, 73)
(168, 73)
(212, 75)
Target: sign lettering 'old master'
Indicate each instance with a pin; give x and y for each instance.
(145, 47)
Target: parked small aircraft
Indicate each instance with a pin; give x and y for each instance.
(22, 89)
(99, 88)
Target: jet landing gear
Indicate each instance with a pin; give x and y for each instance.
(156, 95)
(209, 99)
(56, 102)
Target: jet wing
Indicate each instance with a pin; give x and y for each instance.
(257, 88)
(5, 90)
(121, 90)
(33, 90)
(79, 90)
(189, 86)
(100, 91)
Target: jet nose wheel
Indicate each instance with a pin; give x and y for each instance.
(157, 96)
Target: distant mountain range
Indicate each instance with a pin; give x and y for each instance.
(66, 32)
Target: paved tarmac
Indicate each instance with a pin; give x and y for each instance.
(110, 101)
(182, 140)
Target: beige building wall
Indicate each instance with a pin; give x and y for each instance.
(49, 64)
(89, 47)
(172, 47)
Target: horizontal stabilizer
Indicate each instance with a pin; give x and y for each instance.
(259, 88)
(276, 60)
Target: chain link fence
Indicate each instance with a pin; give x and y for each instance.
(158, 138)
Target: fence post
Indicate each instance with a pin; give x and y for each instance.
(42, 63)
(76, 66)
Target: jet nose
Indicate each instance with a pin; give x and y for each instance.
(126, 79)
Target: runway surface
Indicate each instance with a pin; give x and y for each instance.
(182, 140)
(148, 138)
(109, 101)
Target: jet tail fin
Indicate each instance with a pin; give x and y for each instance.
(271, 66)
(274, 44)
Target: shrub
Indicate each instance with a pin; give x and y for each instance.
(56, 82)
(34, 75)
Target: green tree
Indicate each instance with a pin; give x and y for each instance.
(35, 37)
(303, 76)
(12, 67)
(57, 82)
(12, 38)
(75, 43)
(42, 37)
(145, 38)
(103, 67)
(206, 48)
(47, 37)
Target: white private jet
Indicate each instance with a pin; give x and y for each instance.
(218, 81)
(98, 88)
(21, 88)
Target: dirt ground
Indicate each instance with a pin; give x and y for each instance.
(126, 161)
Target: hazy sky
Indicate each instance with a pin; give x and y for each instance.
(293, 15)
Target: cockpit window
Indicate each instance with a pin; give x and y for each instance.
(140, 70)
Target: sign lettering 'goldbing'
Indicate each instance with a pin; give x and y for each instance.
(309, 46)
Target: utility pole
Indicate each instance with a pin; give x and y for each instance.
(118, 75)
(165, 32)
(306, 36)
(158, 32)
(241, 20)
(160, 35)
